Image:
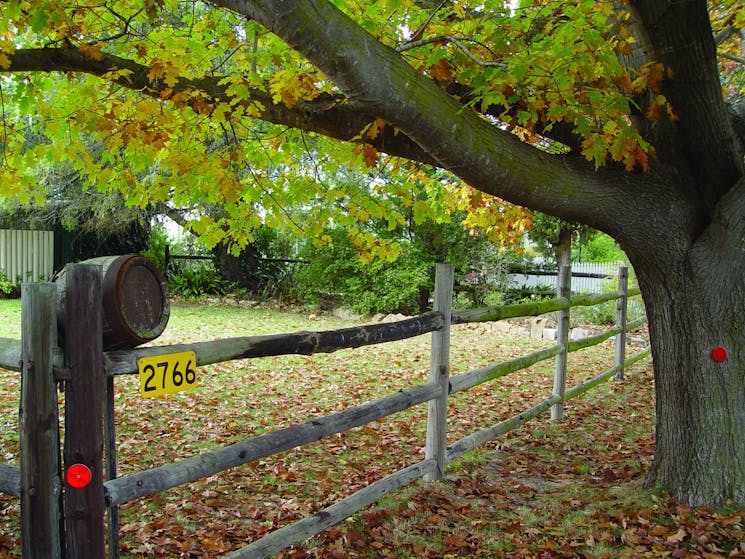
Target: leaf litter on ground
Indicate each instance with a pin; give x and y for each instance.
(573, 488)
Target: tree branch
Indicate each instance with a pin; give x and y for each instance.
(428, 125)
(458, 42)
(738, 59)
(328, 115)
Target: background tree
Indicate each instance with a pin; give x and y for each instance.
(618, 112)
(584, 243)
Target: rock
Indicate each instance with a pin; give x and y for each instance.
(346, 314)
(393, 318)
(549, 333)
(502, 326)
(537, 325)
(578, 334)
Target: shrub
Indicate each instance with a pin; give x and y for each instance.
(156, 246)
(8, 288)
(197, 280)
(385, 287)
(336, 275)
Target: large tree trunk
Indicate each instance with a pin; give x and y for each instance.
(700, 454)
(696, 304)
(242, 269)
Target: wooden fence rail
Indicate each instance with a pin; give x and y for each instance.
(147, 482)
(117, 491)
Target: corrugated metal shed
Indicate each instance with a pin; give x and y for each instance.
(27, 255)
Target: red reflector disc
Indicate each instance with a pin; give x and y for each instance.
(719, 354)
(78, 476)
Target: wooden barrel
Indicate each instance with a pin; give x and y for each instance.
(135, 300)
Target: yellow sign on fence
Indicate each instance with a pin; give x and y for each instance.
(165, 374)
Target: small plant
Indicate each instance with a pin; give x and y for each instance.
(8, 288)
(196, 281)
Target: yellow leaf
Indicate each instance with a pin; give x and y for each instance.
(92, 51)
(678, 536)
(373, 130)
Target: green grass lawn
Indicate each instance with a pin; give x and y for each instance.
(568, 489)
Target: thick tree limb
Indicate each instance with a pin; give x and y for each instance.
(684, 43)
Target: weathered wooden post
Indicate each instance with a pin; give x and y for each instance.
(439, 372)
(39, 423)
(111, 469)
(84, 404)
(132, 308)
(563, 290)
(621, 312)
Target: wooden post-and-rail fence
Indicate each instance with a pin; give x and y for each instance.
(63, 506)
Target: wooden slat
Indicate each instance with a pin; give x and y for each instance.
(510, 311)
(439, 373)
(84, 397)
(10, 354)
(10, 480)
(303, 343)
(562, 336)
(590, 341)
(134, 486)
(11, 350)
(468, 380)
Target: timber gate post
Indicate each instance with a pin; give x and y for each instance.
(39, 423)
(621, 312)
(84, 400)
(439, 372)
(563, 290)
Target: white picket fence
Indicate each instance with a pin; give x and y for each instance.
(26, 255)
(580, 284)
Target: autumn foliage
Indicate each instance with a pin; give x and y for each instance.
(206, 73)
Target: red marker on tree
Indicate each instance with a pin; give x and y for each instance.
(78, 476)
(719, 354)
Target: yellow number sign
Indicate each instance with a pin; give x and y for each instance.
(165, 374)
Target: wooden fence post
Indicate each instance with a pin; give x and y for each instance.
(439, 372)
(621, 311)
(39, 425)
(563, 290)
(111, 468)
(84, 401)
